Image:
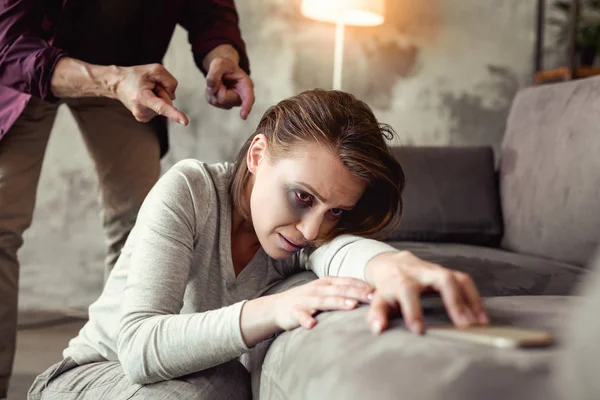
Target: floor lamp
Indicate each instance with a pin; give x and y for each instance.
(342, 13)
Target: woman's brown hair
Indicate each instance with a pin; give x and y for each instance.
(347, 127)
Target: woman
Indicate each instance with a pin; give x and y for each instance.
(184, 299)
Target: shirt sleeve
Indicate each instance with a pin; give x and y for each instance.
(346, 255)
(155, 341)
(27, 60)
(210, 24)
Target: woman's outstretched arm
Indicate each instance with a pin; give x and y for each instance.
(399, 278)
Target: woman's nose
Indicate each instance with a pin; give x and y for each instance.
(309, 226)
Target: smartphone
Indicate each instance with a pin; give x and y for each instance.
(497, 336)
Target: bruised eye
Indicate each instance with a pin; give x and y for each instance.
(304, 197)
(336, 212)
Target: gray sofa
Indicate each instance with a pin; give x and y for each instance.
(524, 227)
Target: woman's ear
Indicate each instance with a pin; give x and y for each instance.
(257, 152)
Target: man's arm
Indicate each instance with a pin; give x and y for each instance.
(146, 90)
(30, 64)
(211, 24)
(220, 53)
(75, 78)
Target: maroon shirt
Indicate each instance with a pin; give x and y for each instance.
(35, 34)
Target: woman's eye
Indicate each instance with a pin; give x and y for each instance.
(303, 197)
(336, 212)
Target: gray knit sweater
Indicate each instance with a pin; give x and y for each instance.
(172, 304)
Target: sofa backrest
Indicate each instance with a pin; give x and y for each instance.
(550, 171)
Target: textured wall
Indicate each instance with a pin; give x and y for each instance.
(439, 71)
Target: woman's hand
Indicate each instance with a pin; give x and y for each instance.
(400, 278)
(296, 307)
(262, 317)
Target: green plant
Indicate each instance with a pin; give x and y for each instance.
(588, 27)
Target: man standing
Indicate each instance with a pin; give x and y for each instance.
(102, 58)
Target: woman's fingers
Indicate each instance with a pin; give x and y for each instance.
(361, 294)
(378, 314)
(452, 295)
(332, 293)
(472, 297)
(408, 298)
(305, 318)
(410, 305)
(336, 280)
(459, 294)
(347, 287)
(328, 303)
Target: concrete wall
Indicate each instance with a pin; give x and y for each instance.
(439, 71)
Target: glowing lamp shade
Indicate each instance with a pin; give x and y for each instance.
(349, 12)
(341, 13)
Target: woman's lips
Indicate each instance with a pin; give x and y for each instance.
(289, 245)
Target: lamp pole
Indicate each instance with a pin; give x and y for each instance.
(338, 55)
(342, 13)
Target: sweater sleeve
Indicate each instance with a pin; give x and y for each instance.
(210, 24)
(346, 255)
(155, 341)
(27, 59)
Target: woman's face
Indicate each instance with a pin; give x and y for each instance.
(298, 198)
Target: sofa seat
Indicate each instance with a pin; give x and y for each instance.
(340, 358)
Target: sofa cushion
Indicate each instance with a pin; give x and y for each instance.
(550, 171)
(451, 195)
(341, 359)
